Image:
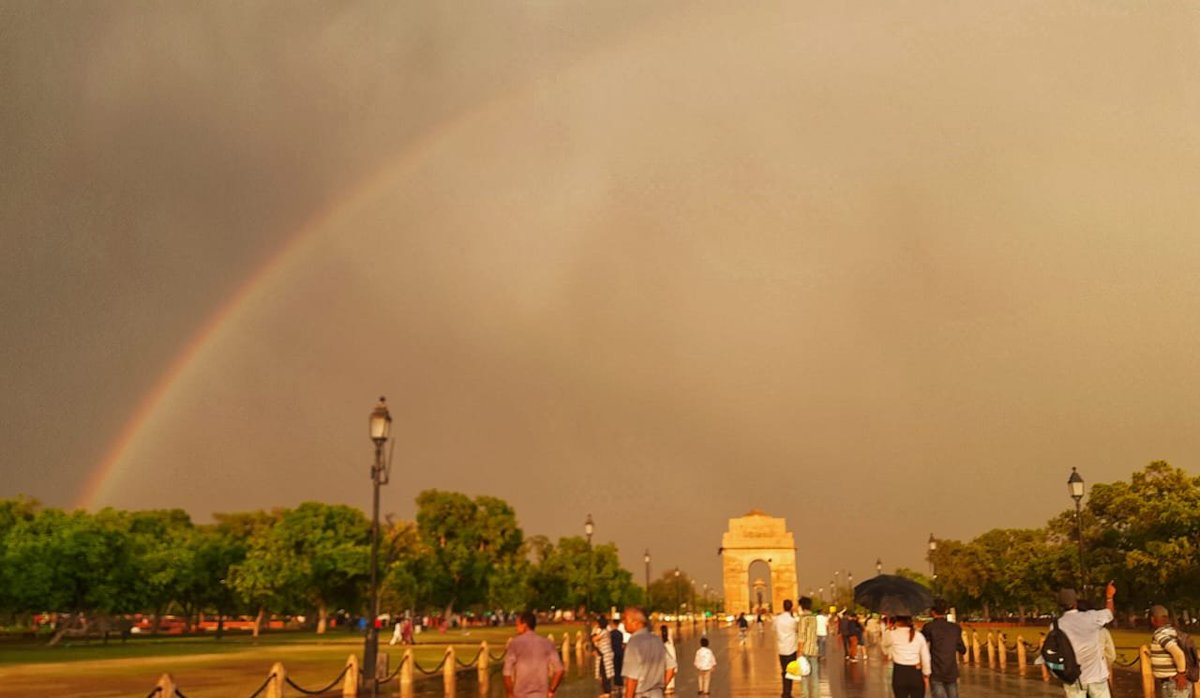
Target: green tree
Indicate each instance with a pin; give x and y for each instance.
(464, 540)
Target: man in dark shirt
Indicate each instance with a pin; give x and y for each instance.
(945, 643)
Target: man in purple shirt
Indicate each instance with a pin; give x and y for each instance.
(530, 661)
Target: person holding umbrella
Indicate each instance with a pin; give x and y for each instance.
(909, 652)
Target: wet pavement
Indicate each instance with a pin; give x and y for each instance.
(752, 669)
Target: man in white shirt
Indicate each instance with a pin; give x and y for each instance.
(822, 632)
(786, 625)
(1083, 630)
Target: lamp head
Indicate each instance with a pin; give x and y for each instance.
(381, 422)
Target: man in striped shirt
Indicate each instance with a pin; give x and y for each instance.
(1166, 657)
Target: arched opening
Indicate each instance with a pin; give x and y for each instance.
(758, 577)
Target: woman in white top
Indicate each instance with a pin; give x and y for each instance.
(666, 638)
(909, 653)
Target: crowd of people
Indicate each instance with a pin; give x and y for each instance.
(632, 661)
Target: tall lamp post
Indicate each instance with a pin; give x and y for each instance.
(380, 426)
(878, 565)
(1075, 485)
(932, 562)
(678, 601)
(646, 559)
(693, 607)
(589, 527)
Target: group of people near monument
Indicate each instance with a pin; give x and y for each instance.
(634, 662)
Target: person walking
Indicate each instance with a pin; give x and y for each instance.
(786, 627)
(945, 644)
(743, 625)
(1167, 661)
(647, 668)
(808, 646)
(1083, 628)
(705, 662)
(602, 647)
(822, 633)
(616, 639)
(909, 652)
(532, 667)
(672, 657)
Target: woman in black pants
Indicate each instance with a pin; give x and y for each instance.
(909, 653)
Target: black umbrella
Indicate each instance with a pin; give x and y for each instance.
(893, 595)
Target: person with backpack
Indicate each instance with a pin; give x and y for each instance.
(1074, 649)
(945, 644)
(1169, 650)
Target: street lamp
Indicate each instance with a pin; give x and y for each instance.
(380, 427)
(646, 559)
(693, 606)
(1075, 486)
(589, 527)
(878, 565)
(932, 562)
(678, 601)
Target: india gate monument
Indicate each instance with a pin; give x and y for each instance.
(758, 537)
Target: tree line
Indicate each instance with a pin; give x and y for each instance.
(460, 553)
(1144, 534)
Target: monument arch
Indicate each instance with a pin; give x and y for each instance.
(750, 538)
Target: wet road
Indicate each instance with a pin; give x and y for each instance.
(752, 669)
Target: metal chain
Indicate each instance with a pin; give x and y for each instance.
(323, 690)
(432, 671)
(468, 665)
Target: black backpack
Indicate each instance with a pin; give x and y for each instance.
(1189, 653)
(1059, 655)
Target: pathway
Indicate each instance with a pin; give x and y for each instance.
(752, 671)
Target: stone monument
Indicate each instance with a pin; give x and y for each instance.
(751, 538)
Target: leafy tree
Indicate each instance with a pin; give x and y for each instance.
(262, 579)
(464, 541)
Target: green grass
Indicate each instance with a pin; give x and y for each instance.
(206, 668)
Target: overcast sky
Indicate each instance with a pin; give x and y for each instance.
(884, 269)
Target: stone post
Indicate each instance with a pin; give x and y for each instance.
(566, 650)
(1045, 669)
(965, 658)
(278, 681)
(166, 686)
(991, 649)
(350, 683)
(975, 647)
(1003, 649)
(484, 661)
(1021, 654)
(448, 672)
(1147, 675)
(580, 651)
(406, 674)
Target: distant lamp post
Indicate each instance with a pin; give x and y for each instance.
(932, 562)
(1075, 486)
(878, 565)
(646, 559)
(693, 606)
(589, 527)
(380, 428)
(678, 601)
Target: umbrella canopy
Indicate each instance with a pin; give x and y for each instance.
(895, 596)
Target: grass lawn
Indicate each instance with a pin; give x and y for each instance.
(205, 668)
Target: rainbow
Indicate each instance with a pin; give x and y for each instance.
(363, 191)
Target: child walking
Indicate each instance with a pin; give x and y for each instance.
(705, 662)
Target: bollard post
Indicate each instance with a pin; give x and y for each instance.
(566, 651)
(991, 649)
(166, 686)
(406, 674)
(277, 682)
(1147, 674)
(1045, 670)
(965, 657)
(1002, 646)
(975, 647)
(580, 654)
(1021, 654)
(448, 673)
(484, 675)
(350, 683)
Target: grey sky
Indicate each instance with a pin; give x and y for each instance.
(883, 269)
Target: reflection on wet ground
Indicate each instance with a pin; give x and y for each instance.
(752, 669)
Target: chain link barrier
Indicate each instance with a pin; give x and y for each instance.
(328, 688)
